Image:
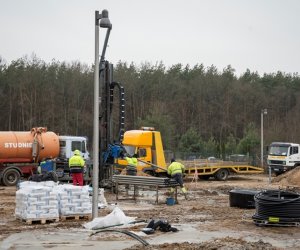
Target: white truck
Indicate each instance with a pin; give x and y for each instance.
(68, 144)
(283, 156)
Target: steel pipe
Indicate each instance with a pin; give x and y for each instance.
(144, 181)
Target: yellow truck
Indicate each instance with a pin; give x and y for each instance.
(147, 144)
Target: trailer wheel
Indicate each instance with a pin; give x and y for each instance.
(11, 177)
(222, 174)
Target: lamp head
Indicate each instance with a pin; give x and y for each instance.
(265, 111)
(105, 22)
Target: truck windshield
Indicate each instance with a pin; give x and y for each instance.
(130, 149)
(279, 150)
(80, 145)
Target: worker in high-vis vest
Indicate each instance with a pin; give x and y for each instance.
(76, 165)
(132, 163)
(176, 170)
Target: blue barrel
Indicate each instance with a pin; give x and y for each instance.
(47, 166)
(170, 201)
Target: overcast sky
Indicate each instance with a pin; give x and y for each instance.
(261, 35)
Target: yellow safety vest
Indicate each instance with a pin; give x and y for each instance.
(132, 161)
(76, 163)
(176, 168)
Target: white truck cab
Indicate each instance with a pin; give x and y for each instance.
(68, 144)
(283, 156)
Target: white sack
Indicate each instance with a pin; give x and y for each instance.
(101, 199)
(116, 217)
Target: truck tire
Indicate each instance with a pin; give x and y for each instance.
(11, 177)
(60, 172)
(278, 173)
(222, 174)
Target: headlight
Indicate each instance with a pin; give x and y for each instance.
(284, 163)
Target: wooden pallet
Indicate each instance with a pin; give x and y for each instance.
(76, 217)
(38, 220)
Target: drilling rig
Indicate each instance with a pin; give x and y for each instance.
(111, 109)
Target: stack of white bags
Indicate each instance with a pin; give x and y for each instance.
(37, 201)
(74, 200)
(48, 200)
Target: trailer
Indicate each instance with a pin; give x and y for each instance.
(220, 170)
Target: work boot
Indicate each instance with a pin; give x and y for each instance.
(171, 193)
(184, 191)
(186, 196)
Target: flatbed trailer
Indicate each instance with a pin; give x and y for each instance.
(220, 170)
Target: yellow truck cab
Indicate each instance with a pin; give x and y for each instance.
(147, 144)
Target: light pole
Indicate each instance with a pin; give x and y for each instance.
(262, 113)
(104, 23)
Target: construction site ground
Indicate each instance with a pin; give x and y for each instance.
(205, 221)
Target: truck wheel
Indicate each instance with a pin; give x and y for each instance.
(60, 172)
(11, 177)
(278, 173)
(222, 174)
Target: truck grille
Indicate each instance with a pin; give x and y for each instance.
(276, 162)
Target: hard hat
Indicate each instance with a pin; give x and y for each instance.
(76, 152)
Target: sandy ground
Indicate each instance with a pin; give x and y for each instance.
(205, 221)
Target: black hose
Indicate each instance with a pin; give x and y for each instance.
(277, 206)
(116, 225)
(133, 235)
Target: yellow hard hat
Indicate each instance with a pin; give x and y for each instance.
(76, 152)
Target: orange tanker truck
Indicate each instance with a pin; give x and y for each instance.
(22, 151)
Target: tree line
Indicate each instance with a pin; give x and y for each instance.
(199, 110)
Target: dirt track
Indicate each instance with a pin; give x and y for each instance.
(213, 224)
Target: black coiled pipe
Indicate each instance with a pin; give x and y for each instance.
(277, 206)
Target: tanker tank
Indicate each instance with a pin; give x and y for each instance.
(31, 146)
